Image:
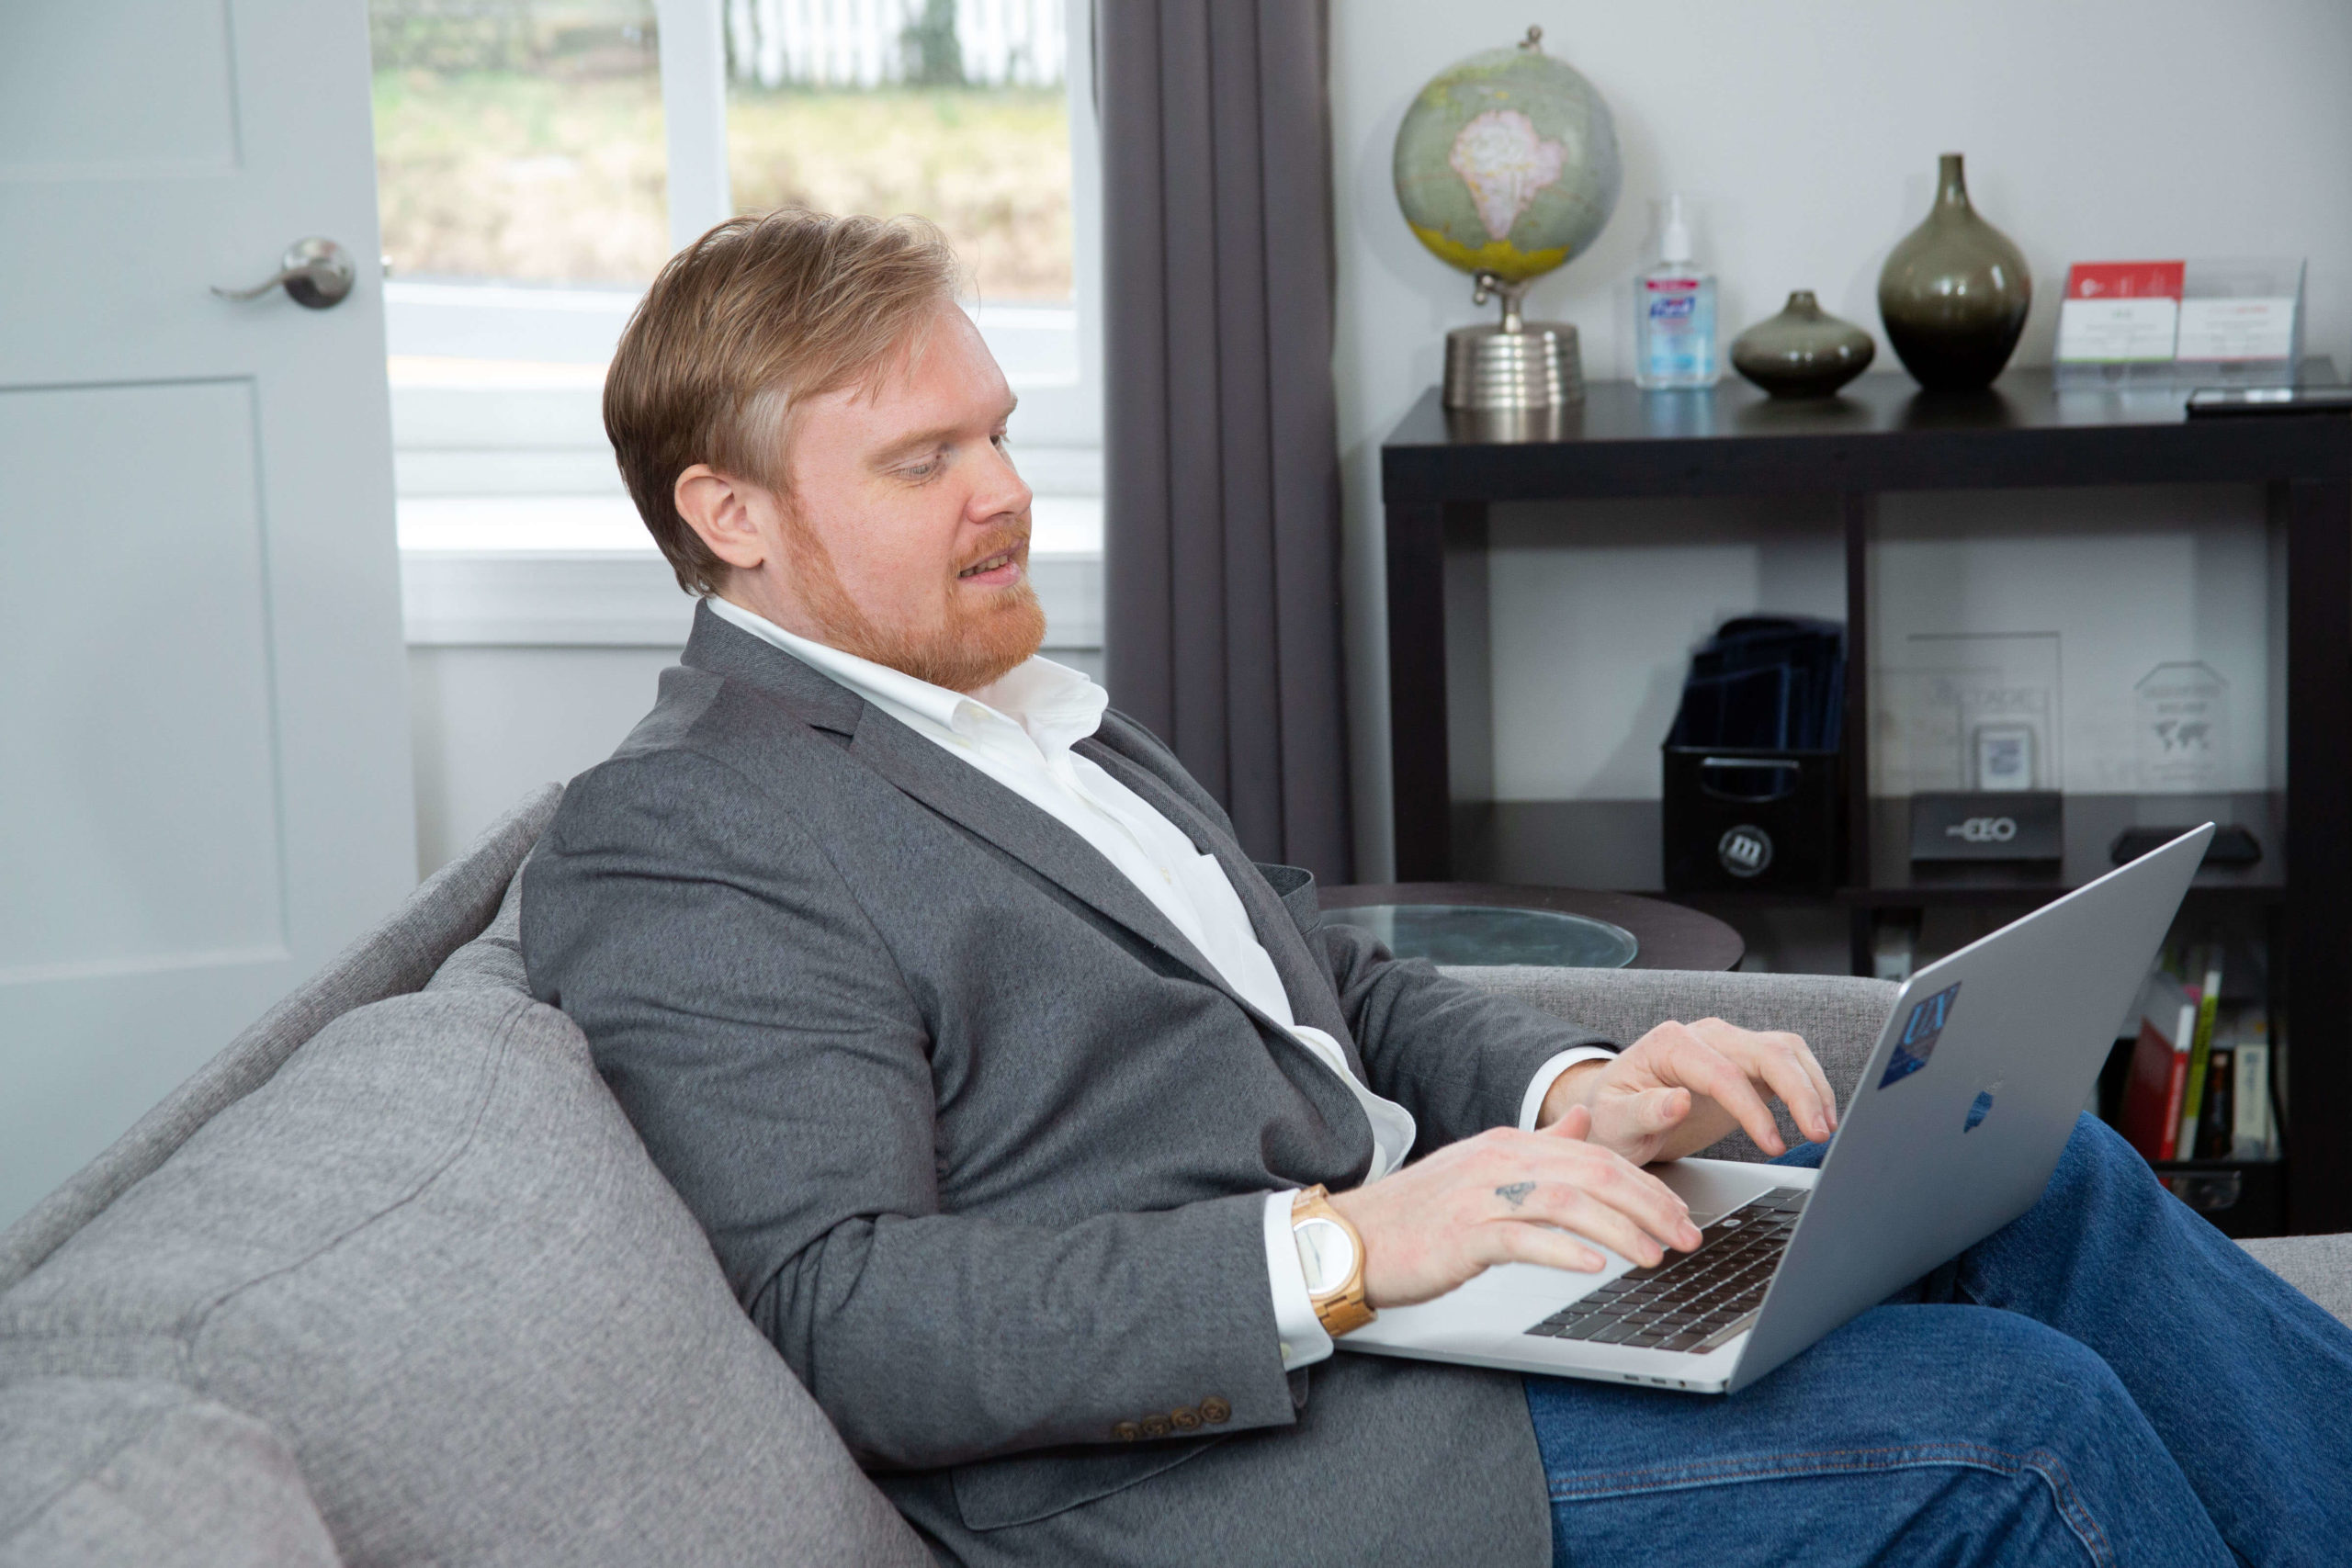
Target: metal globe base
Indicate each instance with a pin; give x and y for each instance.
(1490, 369)
(1514, 365)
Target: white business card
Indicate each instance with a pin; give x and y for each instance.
(2237, 329)
(2109, 332)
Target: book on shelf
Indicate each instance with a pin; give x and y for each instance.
(2199, 1070)
(2204, 968)
(2239, 1026)
(2216, 1121)
(2159, 1077)
(2253, 1130)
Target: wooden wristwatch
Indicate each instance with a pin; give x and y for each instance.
(1330, 1253)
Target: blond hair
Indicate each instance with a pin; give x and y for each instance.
(752, 319)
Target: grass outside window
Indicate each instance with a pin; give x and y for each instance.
(532, 177)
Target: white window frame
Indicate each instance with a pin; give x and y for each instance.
(514, 527)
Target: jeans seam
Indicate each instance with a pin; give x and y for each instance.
(2047, 1466)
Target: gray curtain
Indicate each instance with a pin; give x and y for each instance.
(1222, 509)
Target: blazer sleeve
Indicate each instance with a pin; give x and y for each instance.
(754, 1024)
(1459, 1058)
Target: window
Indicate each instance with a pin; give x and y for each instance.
(538, 159)
(521, 176)
(960, 110)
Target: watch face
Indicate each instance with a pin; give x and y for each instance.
(1325, 1252)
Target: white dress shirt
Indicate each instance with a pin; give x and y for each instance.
(1019, 732)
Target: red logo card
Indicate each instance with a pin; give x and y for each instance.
(2125, 281)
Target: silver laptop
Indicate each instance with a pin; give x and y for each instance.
(1952, 1131)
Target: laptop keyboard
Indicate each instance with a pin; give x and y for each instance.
(1693, 1300)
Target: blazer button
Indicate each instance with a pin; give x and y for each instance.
(1155, 1425)
(1186, 1418)
(1127, 1432)
(1215, 1411)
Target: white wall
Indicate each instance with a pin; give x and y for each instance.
(1805, 138)
(1588, 643)
(490, 724)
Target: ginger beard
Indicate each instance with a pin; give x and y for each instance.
(984, 631)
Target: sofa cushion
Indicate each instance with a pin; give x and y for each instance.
(432, 1255)
(110, 1470)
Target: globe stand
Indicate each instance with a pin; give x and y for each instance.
(1517, 367)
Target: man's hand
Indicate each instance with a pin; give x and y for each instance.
(1510, 1197)
(1684, 1086)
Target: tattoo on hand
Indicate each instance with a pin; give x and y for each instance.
(1515, 1193)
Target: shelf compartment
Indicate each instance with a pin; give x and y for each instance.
(1614, 844)
(2241, 1198)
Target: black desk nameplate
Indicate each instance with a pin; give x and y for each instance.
(1982, 825)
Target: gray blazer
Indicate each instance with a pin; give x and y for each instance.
(983, 1142)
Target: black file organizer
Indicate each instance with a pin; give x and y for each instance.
(1754, 775)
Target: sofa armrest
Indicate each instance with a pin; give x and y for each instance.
(2319, 1266)
(1839, 1018)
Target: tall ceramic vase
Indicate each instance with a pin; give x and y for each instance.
(1954, 293)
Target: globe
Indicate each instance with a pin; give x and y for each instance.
(1506, 163)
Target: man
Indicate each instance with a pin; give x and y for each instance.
(1000, 1079)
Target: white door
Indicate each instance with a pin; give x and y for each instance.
(204, 775)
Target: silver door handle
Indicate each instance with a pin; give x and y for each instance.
(317, 273)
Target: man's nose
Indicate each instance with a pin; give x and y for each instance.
(1001, 490)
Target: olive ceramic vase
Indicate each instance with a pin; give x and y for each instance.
(1954, 293)
(1803, 351)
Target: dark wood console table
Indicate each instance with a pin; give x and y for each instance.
(1439, 476)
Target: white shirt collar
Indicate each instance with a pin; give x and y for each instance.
(1053, 704)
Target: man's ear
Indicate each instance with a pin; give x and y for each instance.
(722, 510)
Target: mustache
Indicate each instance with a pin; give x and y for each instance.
(996, 542)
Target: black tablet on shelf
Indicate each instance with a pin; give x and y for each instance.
(2222, 402)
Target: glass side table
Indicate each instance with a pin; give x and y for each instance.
(1492, 922)
(1478, 933)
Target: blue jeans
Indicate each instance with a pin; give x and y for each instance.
(2105, 1380)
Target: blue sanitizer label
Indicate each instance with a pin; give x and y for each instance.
(1679, 337)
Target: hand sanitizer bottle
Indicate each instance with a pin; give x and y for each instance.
(1674, 315)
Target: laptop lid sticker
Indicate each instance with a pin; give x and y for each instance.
(1921, 1031)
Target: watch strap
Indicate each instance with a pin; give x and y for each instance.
(1343, 1309)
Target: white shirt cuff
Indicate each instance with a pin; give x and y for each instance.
(1304, 1342)
(1549, 1074)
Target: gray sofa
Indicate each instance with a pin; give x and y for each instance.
(392, 1282)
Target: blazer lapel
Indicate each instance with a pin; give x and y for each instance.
(968, 797)
(978, 802)
(957, 791)
(1304, 980)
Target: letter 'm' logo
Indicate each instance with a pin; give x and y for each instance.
(1744, 850)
